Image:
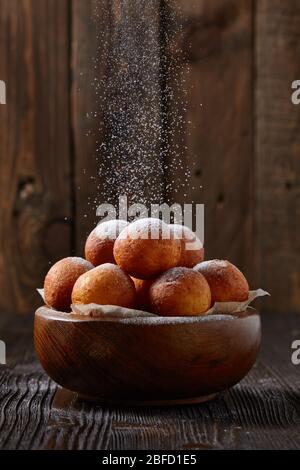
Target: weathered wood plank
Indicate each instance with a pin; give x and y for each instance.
(25, 391)
(34, 146)
(116, 105)
(212, 44)
(277, 152)
(90, 23)
(262, 412)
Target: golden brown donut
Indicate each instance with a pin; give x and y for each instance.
(100, 243)
(180, 292)
(60, 280)
(142, 287)
(192, 251)
(105, 285)
(146, 248)
(227, 283)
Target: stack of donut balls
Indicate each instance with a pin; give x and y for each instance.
(147, 265)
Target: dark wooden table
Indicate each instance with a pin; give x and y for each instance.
(262, 412)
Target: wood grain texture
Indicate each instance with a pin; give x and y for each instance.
(184, 360)
(90, 33)
(262, 412)
(240, 139)
(212, 42)
(277, 152)
(34, 146)
(25, 392)
(116, 106)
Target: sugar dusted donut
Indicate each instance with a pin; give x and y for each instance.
(100, 243)
(146, 248)
(227, 283)
(60, 280)
(192, 251)
(104, 285)
(180, 292)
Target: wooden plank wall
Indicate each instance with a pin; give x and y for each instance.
(86, 73)
(217, 39)
(35, 182)
(103, 70)
(277, 152)
(241, 142)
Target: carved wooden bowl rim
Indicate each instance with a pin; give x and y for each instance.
(52, 314)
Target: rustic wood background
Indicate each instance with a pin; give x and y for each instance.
(242, 146)
(261, 412)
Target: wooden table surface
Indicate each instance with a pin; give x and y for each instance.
(262, 412)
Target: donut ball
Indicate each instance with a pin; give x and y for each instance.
(227, 283)
(180, 292)
(104, 285)
(142, 300)
(192, 251)
(60, 280)
(100, 243)
(146, 248)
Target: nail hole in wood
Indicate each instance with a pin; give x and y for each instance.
(220, 200)
(26, 188)
(288, 185)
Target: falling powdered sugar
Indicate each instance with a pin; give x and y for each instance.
(142, 124)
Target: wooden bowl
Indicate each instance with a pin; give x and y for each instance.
(147, 360)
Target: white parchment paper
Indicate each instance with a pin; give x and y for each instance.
(112, 311)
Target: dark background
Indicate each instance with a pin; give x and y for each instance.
(243, 143)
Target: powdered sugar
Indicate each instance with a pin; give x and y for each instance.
(140, 116)
(110, 229)
(182, 232)
(219, 309)
(147, 228)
